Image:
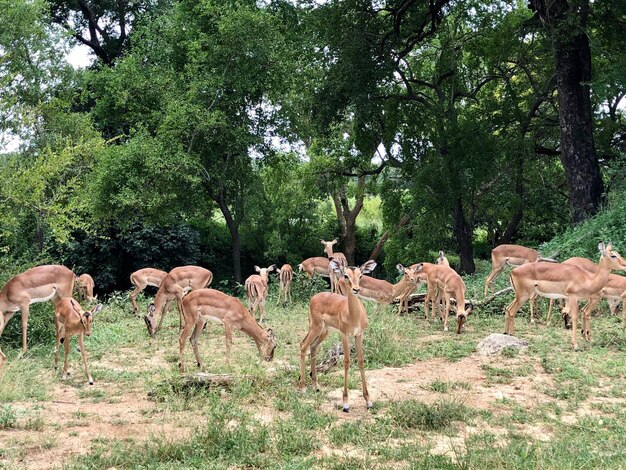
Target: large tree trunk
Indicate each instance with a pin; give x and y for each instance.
(347, 217)
(463, 235)
(566, 24)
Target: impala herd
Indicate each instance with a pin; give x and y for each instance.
(341, 309)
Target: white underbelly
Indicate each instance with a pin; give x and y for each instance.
(550, 295)
(212, 319)
(34, 300)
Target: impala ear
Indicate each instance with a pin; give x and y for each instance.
(257, 269)
(400, 268)
(334, 242)
(270, 334)
(96, 309)
(368, 266)
(602, 248)
(323, 242)
(272, 268)
(418, 267)
(151, 309)
(441, 254)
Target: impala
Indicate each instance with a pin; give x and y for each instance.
(343, 313)
(450, 286)
(285, 274)
(256, 290)
(422, 277)
(71, 320)
(383, 292)
(508, 255)
(561, 281)
(175, 285)
(142, 279)
(203, 305)
(39, 284)
(341, 259)
(85, 286)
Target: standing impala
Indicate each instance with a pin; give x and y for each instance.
(71, 320)
(256, 290)
(561, 281)
(508, 255)
(39, 284)
(383, 292)
(345, 314)
(142, 279)
(431, 294)
(341, 259)
(203, 305)
(175, 285)
(285, 275)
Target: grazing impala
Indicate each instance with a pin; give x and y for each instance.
(175, 285)
(39, 284)
(344, 313)
(431, 296)
(383, 292)
(256, 290)
(561, 281)
(142, 279)
(203, 305)
(71, 320)
(85, 286)
(285, 275)
(341, 259)
(450, 286)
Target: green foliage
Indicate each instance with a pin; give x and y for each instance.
(413, 414)
(582, 240)
(8, 417)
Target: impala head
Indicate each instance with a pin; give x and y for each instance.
(267, 347)
(410, 274)
(351, 274)
(615, 259)
(264, 272)
(328, 246)
(461, 316)
(419, 271)
(150, 319)
(86, 318)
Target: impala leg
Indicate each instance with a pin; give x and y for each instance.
(66, 348)
(288, 292)
(4, 320)
(25, 311)
(182, 341)
(228, 333)
(550, 307)
(358, 340)
(81, 342)
(133, 298)
(57, 327)
(314, 332)
(314, 345)
(572, 303)
(194, 341)
(262, 308)
(346, 368)
(495, 272)
(164, 310)
(533, 299)
(511, 311)
(446, 312)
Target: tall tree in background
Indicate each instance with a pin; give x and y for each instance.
(565, 22)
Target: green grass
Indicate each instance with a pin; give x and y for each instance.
(263, 421)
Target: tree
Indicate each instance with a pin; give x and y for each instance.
(565, 23)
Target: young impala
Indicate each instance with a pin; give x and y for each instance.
(343, 313)
(71, 320)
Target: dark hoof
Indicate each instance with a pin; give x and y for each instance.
(91, 382)
(346, 409)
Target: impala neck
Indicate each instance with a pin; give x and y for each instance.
(400, 287)
(601, 277)
(252, 329)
